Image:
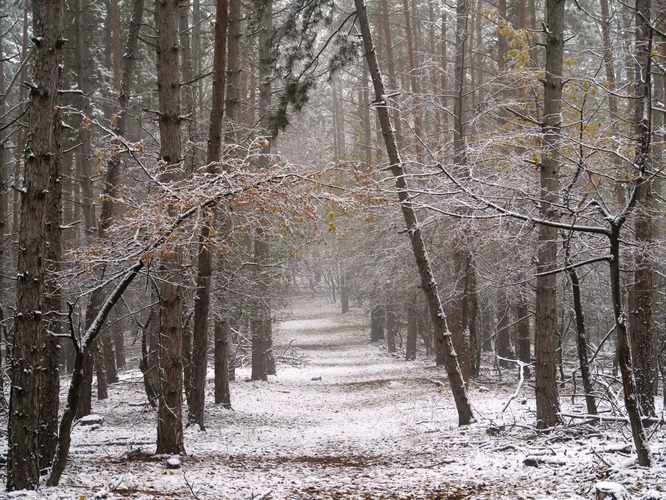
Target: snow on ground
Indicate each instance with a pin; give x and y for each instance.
(351, 421)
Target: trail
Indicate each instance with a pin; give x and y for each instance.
(348, 422)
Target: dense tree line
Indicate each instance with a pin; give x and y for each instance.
(484, 176)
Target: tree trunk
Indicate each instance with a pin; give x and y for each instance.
(391, 329)
(414, 82)
(503, 339)
(462, 18)
(233, 96)
(30, 330)
(624, 353)
(428, 283)
(523, 347)
(643, 337)
(204, 258)
(581, 343)
(377, 318)
(222, 391)
(53, 301)
(547, 398)
(390, 64)
(412, 329)
(169, 415)
(263, 362)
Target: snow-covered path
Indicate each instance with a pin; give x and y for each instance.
(350, 422)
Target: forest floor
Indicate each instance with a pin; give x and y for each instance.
(344, 419)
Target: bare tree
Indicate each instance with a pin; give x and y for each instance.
(437, 316)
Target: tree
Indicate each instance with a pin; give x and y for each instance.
(437, 316)
(202, 299)
(26, 395)
(263, 363)
(169, 415)
(547, 397)
(643, 337)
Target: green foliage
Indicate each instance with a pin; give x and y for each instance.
(308, 43)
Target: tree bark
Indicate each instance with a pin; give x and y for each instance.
(377, 318)
(233, 96)
(643, 337)
(169, 415)
(263, 362)
(222, 391)
(547, 398)
(23, 455)
(503, 339)
(204, 260)
(462, 18)
(581, 343)
(523, 347)
(428, 283)
(412, 329)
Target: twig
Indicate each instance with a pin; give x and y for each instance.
(191, 487)
(521, 380)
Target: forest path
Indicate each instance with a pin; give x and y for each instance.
(350, 422)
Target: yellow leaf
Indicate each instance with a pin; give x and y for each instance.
(368, 219)
(331, 227)
(331, 217)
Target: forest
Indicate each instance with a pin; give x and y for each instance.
(476, 183)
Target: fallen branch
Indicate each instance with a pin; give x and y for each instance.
(521, 379)
(601, 418)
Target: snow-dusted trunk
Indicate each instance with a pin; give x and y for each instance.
(169, 415)
(428, 283)
(624, 354)
(263, 362)
(547, 398)
(643, 337)
(204, 258)
(30, 332)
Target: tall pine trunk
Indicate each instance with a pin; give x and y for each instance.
(547, 398)
(23, 455)
(169, 414)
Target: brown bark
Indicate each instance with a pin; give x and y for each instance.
(364, 105)
(547, 397)
(53, 302)
(169, 414)
(428, 283)
(188, 107)
(263, 362)
(643, 337)
(222, 391)
(233, 95)
(204, 258)
(30, 329)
